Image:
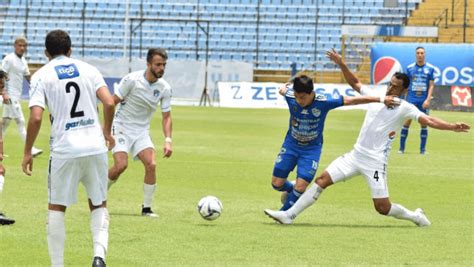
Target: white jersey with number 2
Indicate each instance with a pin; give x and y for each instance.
(381, 124)
(68, 88)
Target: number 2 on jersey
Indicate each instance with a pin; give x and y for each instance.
(74, 113)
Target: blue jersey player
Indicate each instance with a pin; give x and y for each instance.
(304, 139)
(421, 76)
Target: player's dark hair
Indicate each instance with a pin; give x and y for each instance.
(420, 47)
(303, 84)
(156, 51)
(3, 75)
(404, 78)
(57, 43)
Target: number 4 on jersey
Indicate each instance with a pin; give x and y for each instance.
(376, 176)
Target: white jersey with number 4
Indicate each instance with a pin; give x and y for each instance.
(139, 101)
(68, 87)
(381, 124)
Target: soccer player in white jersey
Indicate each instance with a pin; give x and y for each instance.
(3, 219)
(71, 89)
(139, 94)
(16, 67)
(370, 154)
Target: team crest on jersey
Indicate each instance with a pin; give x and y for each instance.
(67, 71)
(316, 112)
(156, 93)
(295, 109)
(320, 97)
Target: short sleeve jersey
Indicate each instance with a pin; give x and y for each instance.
(140, 100)
(68, 87)
(17, 69)
(381, 125)
(307, 123)
(420, 77)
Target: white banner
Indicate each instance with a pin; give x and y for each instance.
(185, 77)
(265, 95)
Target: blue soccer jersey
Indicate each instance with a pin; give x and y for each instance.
(303, 141)
(420, 77)
(307, 123)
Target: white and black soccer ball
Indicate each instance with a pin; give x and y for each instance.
(210, 207)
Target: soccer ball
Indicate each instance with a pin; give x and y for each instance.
(210, 208)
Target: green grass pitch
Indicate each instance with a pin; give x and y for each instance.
(229, 153)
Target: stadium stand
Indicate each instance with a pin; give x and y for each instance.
(269, 33)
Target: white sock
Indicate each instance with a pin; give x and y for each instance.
(2, 181)
(100, 231)
(400, 212)
(110, 183)
(56, 232)
(5, 123)
(148, 191)
(21, 128)
(307, 199)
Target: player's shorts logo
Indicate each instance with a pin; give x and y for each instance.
(384, 68)
(121, 141)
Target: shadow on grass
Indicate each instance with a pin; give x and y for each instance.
(206, 224)
(329, 225)
(125, 214)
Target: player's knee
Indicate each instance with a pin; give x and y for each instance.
(300, 187)
(150, 166)
(382, 208)
(121, 166)
(324, 180)
(277, 183)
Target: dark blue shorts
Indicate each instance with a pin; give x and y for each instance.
(305, 157)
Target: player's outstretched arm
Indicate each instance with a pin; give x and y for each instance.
(109, 109)
(440, 124)
(34, 125)
(389, 101)
(350, 77)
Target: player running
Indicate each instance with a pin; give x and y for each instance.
(421, 75)
(370, 154)
(16, 67)
(139, 94)
(4, 220)
(70, 89)
(304, 139)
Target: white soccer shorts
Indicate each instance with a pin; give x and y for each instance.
(131, 143)
(352, 164)
(13, 110)
(65, 175)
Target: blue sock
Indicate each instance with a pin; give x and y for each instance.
(287, 186)
(293, 196)
(403, 138)
(424, 137)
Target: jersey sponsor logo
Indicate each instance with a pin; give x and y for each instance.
(66, 71)
(80, 123)
(461, 96)
(384, 69)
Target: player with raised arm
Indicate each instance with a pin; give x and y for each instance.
(370, 154)
(421, 75)
(304, 140)
(16, 67)
(70, 89)
(4, 220)
(139, 94)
